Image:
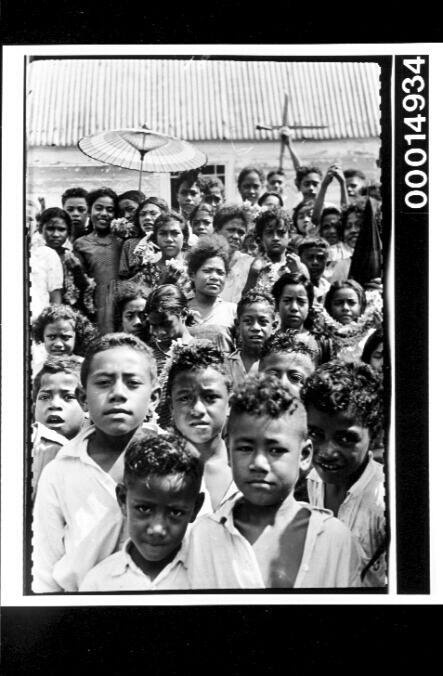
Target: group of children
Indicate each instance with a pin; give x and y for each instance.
(208, 403)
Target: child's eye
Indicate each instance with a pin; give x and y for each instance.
(143, 509)
(134, 383)
(295, 377)
(70, 397)
(347, 438)
(211, 398)
(277, 450)
(42, 397)
(176, 513)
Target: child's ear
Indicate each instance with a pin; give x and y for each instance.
(120, 493)
(155, 398)
(306, 455)
(197, 507)
(82, 400)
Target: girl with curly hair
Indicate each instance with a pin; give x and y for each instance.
(63, 332)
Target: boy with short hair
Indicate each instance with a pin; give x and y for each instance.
(356, 183)
(344, 406)
(74, 202)
(262, 537)
(313, 253)
(57, 411)
(159, 497)
(307, 180)
(255, 323)
(77, 522)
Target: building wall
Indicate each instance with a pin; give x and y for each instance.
(51, 170)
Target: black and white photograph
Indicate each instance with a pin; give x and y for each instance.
(210, 373)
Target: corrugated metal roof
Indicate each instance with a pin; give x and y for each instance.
(200, 99)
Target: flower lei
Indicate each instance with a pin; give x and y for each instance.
(72, 293)
(349, 334)
(123, 228)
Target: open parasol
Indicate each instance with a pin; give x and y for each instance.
(142, 149)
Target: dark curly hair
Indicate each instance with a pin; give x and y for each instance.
(203, 206)
(84, 331)
(249, 170)
(309, 242)
(74, 192)
(54, 212)
(227, 213)
(309, 204)
(345, 284)
(165, 219)
(189, 178)
(290, 341)
(262, 395)
(346, 387)
(329, 211)
(277, 216)
(161, 455)
(193, 357)
(208, 246)
(374, 340)
(111, 340)
(304, 171)
(350, 173)
(94, 195)
(292, 278)
(254, 296)
(55, 365)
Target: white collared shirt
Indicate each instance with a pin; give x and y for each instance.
(220, 557)
(77, 521)
(118, 572)
(363, 512)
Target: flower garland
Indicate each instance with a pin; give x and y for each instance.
(347, 335)
(121, 227)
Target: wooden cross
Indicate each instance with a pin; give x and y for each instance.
(274, 127)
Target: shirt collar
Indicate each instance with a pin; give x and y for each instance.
(364, 478)
(126, 561)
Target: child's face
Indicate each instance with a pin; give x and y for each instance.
(315, 259)
(158, 511)
(102, 213)
(119, 390)
(210, 277)
(170, 239)
(127, 209)
(304, 219)
(234, 231)
(345, 306)
(329, 228)
(202, 223)
(166, 327)
(55, 232)
(147, 217)
(275, 183)
(270, 202)
(266, 455)
(214, 196)
(309, 185)
(275, 239)
(132, 316)
(77, 208)
(199, 404)
(293, 306)
(351, 229)
(188, 197)
(291, 368)
(57, 405)
(251, 247)
(354, 185)
(250, 187)
(376, 360)
(256, 323)
(59, 338)
(340, 443)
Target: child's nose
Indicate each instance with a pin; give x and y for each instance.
(56, 403)
(198, 406)
(118, 390)
(259, 463)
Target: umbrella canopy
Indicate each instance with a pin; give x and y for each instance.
(142, 149)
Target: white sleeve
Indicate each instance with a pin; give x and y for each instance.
(48, 533)
(54, 271)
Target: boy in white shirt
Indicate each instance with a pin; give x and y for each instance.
(262, 537)
(344, 403)
(160, 495)
(77, 521)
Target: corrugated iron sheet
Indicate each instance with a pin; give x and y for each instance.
(199, 99)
